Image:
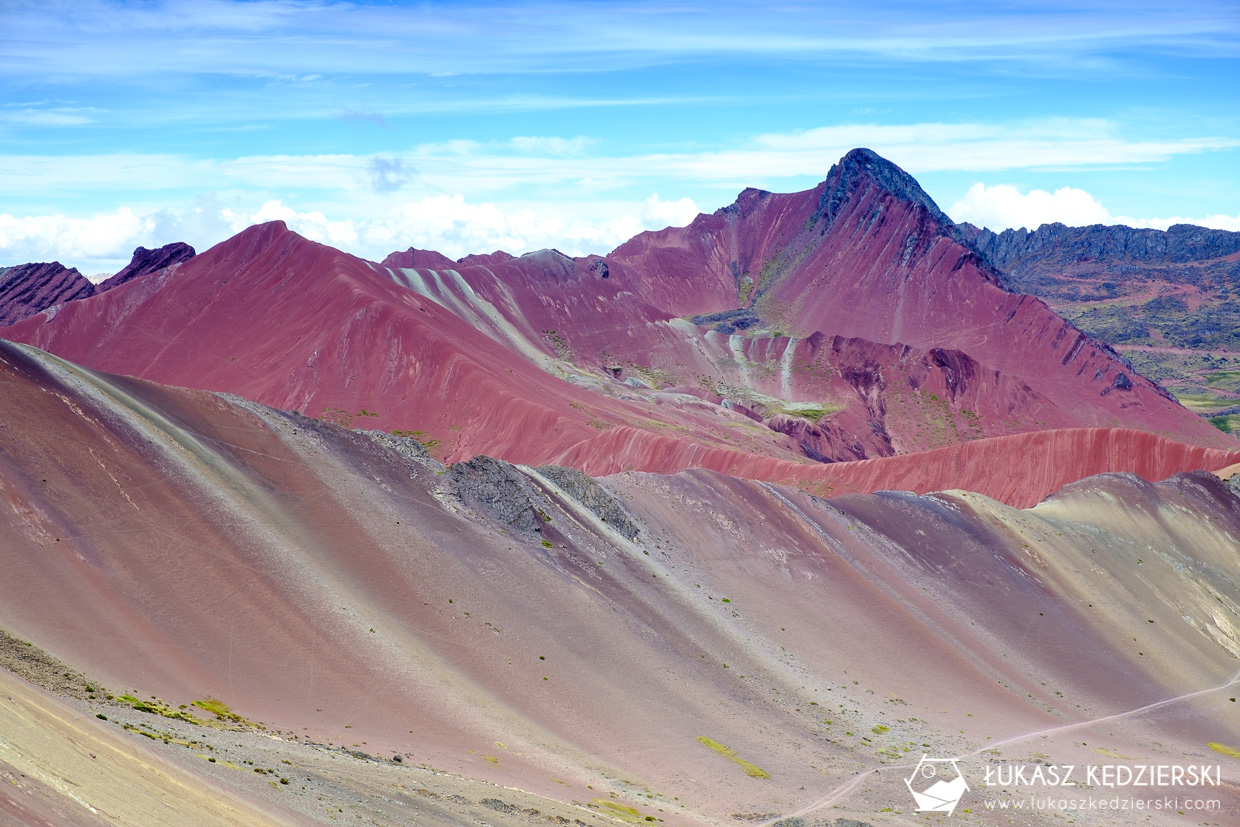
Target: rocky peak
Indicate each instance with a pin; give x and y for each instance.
(148, 261)
(862, 165)
(28, 289)
(1179, 244)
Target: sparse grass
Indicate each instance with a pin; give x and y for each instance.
(1227, 424)
(620, 811)
(1224, 379)
(337, 416)
(421, 437)
(1224, 750)
(727, 752)
(1198, 402)
(221, 711)
(157, 707)
(813, 411)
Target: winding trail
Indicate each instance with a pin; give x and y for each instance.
(841, 792)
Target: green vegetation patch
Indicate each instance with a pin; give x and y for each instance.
(727, 752)
(1227, 424)
(620, 811)
(420, 437)
(1198, 402)
(1224, 750)
(221, 711)
(1224, 380)
(157, 707)
(813, 411)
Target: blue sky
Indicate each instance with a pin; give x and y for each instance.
(464, 127)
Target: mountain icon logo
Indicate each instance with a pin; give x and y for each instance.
(937, 785)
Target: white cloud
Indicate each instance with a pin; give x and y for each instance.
(313, 224)
(660, 213)
(536, 145)
(64, 116)
(106, 237)
(452, 225)
(1002, 207)
(556, 167)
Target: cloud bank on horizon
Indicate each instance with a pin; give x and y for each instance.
(476, 126)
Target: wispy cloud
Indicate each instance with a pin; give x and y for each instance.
(477, 168)
(49, 116)
(372, 117)
(317, 37)
(388, 174)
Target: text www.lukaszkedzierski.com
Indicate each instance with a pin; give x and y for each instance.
(1113, 803)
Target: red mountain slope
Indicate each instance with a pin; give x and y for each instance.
(484, 620)
(866, 256)
(819, 341)
(276, 318)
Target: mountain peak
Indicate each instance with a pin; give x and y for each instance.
(414, 258)
(148, 261)
(863, 164)
(28, 289)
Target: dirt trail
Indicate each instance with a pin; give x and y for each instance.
(841, 792)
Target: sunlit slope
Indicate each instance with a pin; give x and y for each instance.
(344, 587)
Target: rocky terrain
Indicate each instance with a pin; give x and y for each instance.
(149, 261)
(1167, 300)
(28, 289)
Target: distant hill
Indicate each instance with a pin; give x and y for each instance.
(1168, 300)
(28, 289)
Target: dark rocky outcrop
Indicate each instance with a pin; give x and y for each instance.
(1180, 244)
(498, 490)
(146, 261)
(28, 289)
(485, 259)
(729, 321)
(861, 164)
(593, 496)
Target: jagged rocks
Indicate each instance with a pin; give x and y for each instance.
(593, 496)
(146, 261)
(28, 289)
(407, 447)
(497, 490)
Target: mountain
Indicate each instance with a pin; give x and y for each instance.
(1168, 300)
(721, 309)
(690, 647)
(845, 323)
(146, 261)
(1071, 263)
(28, 289)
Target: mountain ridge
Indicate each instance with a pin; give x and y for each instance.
(870, 332)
